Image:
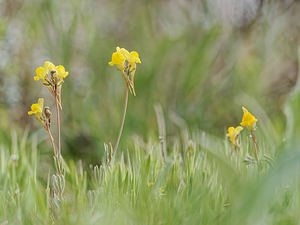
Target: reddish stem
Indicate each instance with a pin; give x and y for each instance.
(51, 139)
(58, 122)
(255, 144)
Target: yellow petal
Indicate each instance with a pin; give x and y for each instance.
(244, 109)
(40, 73)
(239, 129)
(41, 103)
(35, 108)
(124, 52)
(117, 59)
(134, 57)
(230, 130)
(49, 66)
(248, 120)
(233, 134)
(61, 72)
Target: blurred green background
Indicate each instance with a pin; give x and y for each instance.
(201, 61)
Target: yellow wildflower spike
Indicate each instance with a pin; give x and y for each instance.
(233, 134)
(248, 120)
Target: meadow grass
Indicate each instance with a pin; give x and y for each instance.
(198, 181)
(188, 179)
(195, 71)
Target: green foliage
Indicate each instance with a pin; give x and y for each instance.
(196, 72)
(192, 65)
(202, 184)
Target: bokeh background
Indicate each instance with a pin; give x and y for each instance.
(201, 61)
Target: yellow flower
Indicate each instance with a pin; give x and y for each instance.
(117, 59)
(248, 120)
(42, 73)
(37, 109)
(61, 72)
(233, 134)
(121, 56)
(126, 63)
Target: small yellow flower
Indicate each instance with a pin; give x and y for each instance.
(248, 120)
(125, 60)
(126, 63)
(61, 72)
(37, 109)
(233, 134)
(117, 59)
(43, 73)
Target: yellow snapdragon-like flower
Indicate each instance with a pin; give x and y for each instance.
(43, 72)
(125, 60)
(233, 134)
(37, 109)
(118, 59)
(61, 72)
(248, 120)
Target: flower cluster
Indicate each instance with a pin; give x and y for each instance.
(126, 62)
(249, 121)
(51, 74)
(52, 77)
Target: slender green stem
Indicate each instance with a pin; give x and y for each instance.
(255, 144)
(122, 124)
(58, 122)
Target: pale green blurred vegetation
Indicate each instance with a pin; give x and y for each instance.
(201, 61)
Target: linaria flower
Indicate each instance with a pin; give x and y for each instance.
(233, 134)
(248, 120)
(42, 113)
(50, 74)
(37, 109)
(126, 62)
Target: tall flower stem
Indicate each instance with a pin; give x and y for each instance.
(58, 122)
(255, 144)
(51, 139)
(122, 124)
